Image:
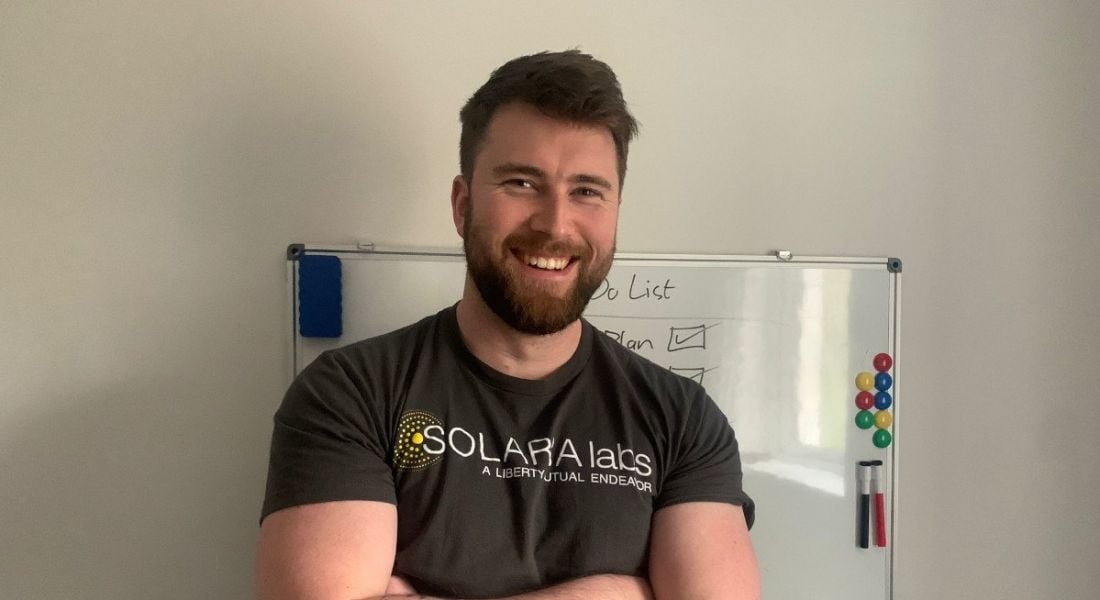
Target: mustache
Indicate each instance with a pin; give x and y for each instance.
(534, 242)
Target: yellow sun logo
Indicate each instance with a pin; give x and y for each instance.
(408, 450)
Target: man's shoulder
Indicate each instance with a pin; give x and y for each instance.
(391, 347)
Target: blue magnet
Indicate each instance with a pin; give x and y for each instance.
(883, 381)
(883, 400)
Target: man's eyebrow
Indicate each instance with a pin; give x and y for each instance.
(505, 169)
(518, 169)
(592, 179)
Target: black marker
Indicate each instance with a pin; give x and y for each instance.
(863, 475)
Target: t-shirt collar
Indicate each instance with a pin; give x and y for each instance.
(529, 387)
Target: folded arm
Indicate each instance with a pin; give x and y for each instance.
(702, 550)
(603, 587)
(345, 551)
(331, 550)
(698, 550)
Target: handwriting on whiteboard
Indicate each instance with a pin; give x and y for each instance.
(633, 343)
(691, 337)
(637, 290)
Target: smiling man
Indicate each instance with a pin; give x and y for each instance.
(504, 447)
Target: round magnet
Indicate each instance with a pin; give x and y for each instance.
(883, 381)
(882, 438)
(883, 362)
(865, 381)
(883, 400)
(865, 400)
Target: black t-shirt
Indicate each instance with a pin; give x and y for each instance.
(502, 485)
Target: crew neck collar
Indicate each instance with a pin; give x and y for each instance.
(528, 387)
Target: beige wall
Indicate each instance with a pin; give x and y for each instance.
(156, 160)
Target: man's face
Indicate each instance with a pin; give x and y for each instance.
(538, 217)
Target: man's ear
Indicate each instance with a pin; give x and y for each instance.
(460, 201)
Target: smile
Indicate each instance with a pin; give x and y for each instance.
(547, 263)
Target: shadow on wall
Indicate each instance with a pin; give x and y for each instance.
(152, 486)
(132, 494)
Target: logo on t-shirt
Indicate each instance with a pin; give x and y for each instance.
(408, 450)
(423, 440)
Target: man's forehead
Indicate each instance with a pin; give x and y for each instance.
(519, 133)
(522, 114)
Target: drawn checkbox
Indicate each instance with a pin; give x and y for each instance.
(695, 373)
(684, 338)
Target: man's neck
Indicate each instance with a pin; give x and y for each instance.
(512, 352)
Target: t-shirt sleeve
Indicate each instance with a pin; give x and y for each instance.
(707, 464)
(329, 441)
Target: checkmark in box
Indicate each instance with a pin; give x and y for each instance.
(695, 373)
(684, 338)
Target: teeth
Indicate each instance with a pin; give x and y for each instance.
(553, 264)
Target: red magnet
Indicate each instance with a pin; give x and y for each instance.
(865, 400)
(883, 362)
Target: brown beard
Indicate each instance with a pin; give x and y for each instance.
(523, 307)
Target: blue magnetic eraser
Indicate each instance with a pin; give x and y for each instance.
(320, 297)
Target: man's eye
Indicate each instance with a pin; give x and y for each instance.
(587, 191)
(519, 183)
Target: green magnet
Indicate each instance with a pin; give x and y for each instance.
(882, 438)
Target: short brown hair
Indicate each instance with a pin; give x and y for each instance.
(568, 85)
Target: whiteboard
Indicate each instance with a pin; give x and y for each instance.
(776, 343)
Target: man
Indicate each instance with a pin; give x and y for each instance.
(503, 447)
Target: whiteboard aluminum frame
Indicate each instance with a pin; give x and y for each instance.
(895, 457)
(369, 248)
(779, 258)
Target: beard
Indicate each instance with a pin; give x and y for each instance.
(527, 306)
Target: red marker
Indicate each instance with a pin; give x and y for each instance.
(880, 503)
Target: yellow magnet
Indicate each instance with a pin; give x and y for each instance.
(865, 381)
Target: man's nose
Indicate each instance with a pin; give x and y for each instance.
(552, 216)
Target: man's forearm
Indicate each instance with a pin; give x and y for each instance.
(603, 587)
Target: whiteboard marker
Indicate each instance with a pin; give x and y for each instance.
(880, 503)
(863, 475)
